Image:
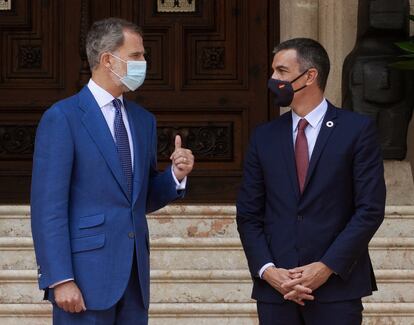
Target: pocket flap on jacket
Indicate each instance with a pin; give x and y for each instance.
(87, 243)
(91, 221)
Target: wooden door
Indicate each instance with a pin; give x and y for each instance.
(208, 65)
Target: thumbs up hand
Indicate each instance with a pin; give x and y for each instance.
(182, 160)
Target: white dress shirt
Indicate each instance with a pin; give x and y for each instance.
(104, 100)
(314, 118)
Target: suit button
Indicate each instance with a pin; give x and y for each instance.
(300, 218)
(131, 235)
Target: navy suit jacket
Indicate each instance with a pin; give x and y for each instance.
(334, 219)
(85, 224)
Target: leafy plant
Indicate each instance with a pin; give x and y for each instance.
(408, 46)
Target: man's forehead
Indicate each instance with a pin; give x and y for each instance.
(132, 37)
(285, 58)
(133, 40)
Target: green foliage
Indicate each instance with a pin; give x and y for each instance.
(403, 65)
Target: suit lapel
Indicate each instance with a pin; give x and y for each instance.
(138, 134)
(289, 153)
(322, 139)
(96, 125)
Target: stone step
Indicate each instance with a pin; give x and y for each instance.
(206, 314)
(200, 221)
(195, 286)
(214, 288)
(208, 253)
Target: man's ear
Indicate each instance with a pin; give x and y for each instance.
(312, 76)
(105, 60)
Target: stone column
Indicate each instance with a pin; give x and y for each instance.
(299, 18)
(331, 22)
(337, 33)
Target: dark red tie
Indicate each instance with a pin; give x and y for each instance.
(301, 153)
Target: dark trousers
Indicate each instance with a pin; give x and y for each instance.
(129, 310)
(313, 313)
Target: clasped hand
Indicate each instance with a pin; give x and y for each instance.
(299, 283)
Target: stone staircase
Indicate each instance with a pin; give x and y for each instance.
(199, 272)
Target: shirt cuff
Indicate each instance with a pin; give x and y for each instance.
(264, 268)
(179, 185)
(60, 282)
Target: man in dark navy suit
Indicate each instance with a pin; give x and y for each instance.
(312, 197)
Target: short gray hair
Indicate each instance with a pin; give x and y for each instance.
(107, 35)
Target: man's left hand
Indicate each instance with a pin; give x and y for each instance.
(313, 276)
(182, 160)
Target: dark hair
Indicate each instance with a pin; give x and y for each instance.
(310, 54)
(107, 35)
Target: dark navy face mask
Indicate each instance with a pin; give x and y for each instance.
(283, 90)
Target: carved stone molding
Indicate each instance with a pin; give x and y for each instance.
(5, 5)
(208, 143)
(172, 6)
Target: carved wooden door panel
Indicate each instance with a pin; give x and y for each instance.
(207, 79)
(40, 65)
(208, 65)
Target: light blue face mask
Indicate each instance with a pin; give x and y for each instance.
(135, 75)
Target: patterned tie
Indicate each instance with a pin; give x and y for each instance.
(302, 153)
(122, 143)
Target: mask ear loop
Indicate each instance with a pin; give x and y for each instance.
(301, 75)
(113, 70)
(295, 91)
(115, 73)
(115, 56)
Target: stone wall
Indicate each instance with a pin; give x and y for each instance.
(334, 24)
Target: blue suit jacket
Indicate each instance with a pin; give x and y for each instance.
(83, 217)
(334, 219)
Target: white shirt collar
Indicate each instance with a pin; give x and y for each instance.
(314, 117)
(102, 97)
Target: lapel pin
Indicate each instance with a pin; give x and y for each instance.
(329, 124)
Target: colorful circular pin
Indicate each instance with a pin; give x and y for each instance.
(329, 124)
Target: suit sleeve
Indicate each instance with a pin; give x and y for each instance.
(52, 168)
(369, 201)
(250, 212)
(162, 188)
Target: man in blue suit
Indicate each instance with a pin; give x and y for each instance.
(312, 197)
(94, 180)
